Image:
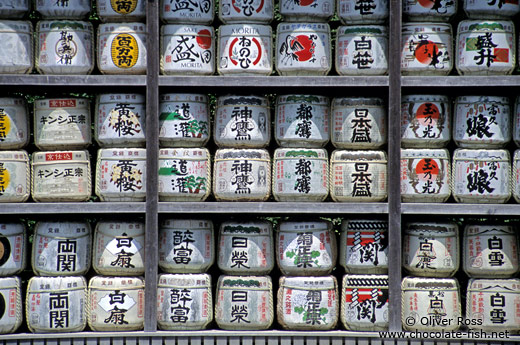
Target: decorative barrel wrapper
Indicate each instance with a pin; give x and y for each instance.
(491, 9)
(14, 9)
(363, 247)
(246, 248)
(184, 301)
(191, 12)
(121, 11)
(184, 174)
(490, 251)
(60, 176)
(18, 36)
(244, 302)
(516, 176)
(69, 9)
(116, 303)
(242, 175)
(11, 314)
(300, 174)
(362, 50)
(485, 47)
(14, 123)
(426, 49)
(311, 11)
(184, 120)
(242, 11)
(358, 176)
(430, 304)
(431, 249)
(186, 245)
(118, 248)
(433, 11)
(122, 48)
(15, 176)
(13, 249)
(481, 176)
(362, 12)
(364, 302)
(121, 174)
(425, 121)
(359, 123)
(308, 303)
(306, 248)
(56, 304)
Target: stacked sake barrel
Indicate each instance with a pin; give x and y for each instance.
(18, 35)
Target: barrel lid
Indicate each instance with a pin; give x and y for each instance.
(364, 225)
(494, 285)
(477, 229)
(120, 28)
(121, 97)
(363, 29)
(202, 280)
(305, 226)
(297, 98)
(122, 153)
(10, 283)
(244, 29)
(55, 284)
(481, 155)
(482, 99)
(188, 224)
(116, 283)
(309, 283)
(241, 100)
(259, 154)
(62, 229)
(15, 26)
(369, 156)
(365, 281)
(446, 229)
(185, 153)
(484, 25)
(247, 228)
(12, 229)
(425, 153)
(355, 101)
(57, 25)
(18, 155)
(415, 283)
(60, 156)
(289, 153)
(185, 29)
(226, 282)
(183, 97)
(424, 98)
(120, 228)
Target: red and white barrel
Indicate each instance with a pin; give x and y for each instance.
(246, 11)
(12, 308)
(307, 11)
(491, 9)
(18, 36)
(13, 248)
(359, 12)
(438, 11)
(63, 9)
(121, 11)
(15, 176)
(14, 123)
(190, 12)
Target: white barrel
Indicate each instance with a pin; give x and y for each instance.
(116, 304)
(481, 121)
(121, 11)
(481, 176)
(490, 251)
(121, 48)
(62, 123)
(515, 179)
(363, 246)
(359, 123)
(242, 11)
(118, 248)
(11, 313)
(14, 8)
(491, 9)
(427, 49)
(184, 120)
(120, 120)
(13, 248)
(70, 9)
(364, 302)
(14, 123)
(56, 304)
(303, 49)
(187, 49)
(60, 176)
(362, 12)
(300, 174)
(242, 175)
(434, 11)
(425, 121)
(121, 174)
(18, 36)
(186, 245)
(184, 174)
(308, 303)
(362, 50)
(430, 304)
(485, 47)
(188, 12)
(184, 301)
(245, 49)
(306, 248)
(425, 175)
(431, 249)
(15, 176)
(516, 122)
(246, 248)
(306, 10)
(244, 302)
(358, 176)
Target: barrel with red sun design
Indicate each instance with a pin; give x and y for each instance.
(431, 10)
(246, 11)
(306, 10)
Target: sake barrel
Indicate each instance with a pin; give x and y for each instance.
(242, 122)
(481, 176)
(121, 48)
(60, 176)
(438, 11)
(116, 303)
(362, 12)
(13, 248)
(14, 8)
(303, 49)
(56, 304)
(430, 304)
(425, 121)
(189, 12)
(184, 120)
(300, 174)
(490, 251)
(364, 302)
(306, 248)
(118, 248)
(246, 248)
(491, 9)
(18, 36)
(302, 120)
(516, 122)
(359, 123)
(309, 303)
(121, 11)
(431, 249)
(184, 174)
(186, 245)
(61, 248)
(485, 47)
(516, 176)
(70, 9)
(240, 11)
(62, 123)
(14, 123)
(312, 11)
(244, 302)
(121, 174)
(184, 301)
(362, 50)
(11, 315)
(363, 246)
(426, 49)
(15, 176)
(242, 175)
